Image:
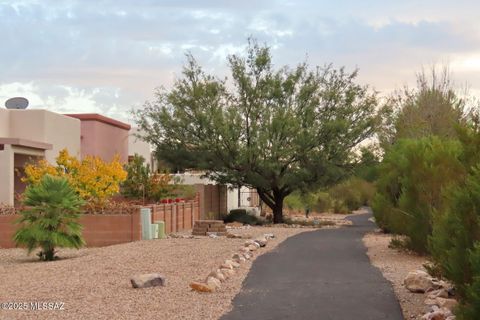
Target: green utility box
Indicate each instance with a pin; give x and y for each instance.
(161, 229)
(146, 218)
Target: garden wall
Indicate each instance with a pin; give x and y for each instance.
(107, 229)
(177, 216)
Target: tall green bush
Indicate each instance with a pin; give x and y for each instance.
(51, 219)
(456, 232)
(414, 175)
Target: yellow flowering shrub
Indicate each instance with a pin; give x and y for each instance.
(94, 179)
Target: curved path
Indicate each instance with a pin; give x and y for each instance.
(324, 274)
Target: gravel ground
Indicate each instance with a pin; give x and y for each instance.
(395, 265)
(94, 283)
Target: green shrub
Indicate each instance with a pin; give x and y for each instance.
(294, 202)
(351, 195)
(324, 202)
(469, 307)
(51, 219)
(415, 174)
(241, 215)
(456, 231)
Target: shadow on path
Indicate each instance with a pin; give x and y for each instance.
(324, 274)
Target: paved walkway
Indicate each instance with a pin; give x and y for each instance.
(324, 274)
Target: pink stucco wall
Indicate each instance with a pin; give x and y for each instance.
(103, 137)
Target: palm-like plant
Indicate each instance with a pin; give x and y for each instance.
(51, 217)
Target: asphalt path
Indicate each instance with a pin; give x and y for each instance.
(324, 274)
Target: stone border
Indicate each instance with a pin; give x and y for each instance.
(214, 279)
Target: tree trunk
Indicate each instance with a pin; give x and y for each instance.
(278, 209)
(274, 202)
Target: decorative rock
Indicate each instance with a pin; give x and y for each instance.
(201, 287)
(269, 236)
(442, 293)
(440, 314)
(235, 264)
(430, 302)
(247, 256)
(234, 236)
(446, 303)
(238, 258)
(227, 272)
(148, 280)
(227, 265)
(252, 247)
(248, 243)
(418, 281)
(218, 275)
(244, 250)
(213, 282)
(212, 235)
(262, 242)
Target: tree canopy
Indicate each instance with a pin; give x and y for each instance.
(273, 129)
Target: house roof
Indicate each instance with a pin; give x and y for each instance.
(100, 118)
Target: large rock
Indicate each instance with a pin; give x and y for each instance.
(148, 280)
(418, 281)
(201, 287)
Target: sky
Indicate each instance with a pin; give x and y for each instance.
(108, 57)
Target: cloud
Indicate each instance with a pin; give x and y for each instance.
(107, 56)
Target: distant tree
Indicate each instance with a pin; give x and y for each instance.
(432, 108)
(276, 130)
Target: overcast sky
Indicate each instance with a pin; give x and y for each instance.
(108, 56)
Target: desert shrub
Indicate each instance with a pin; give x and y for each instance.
(141, 183)
(92, 178)
(415, 174)
(456, 231)
(137, 183)
(324, 202)
(241, 215)
(51, 219)
(351, 194)
(469, 307)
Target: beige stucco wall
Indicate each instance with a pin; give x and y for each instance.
(4, 122)
(44, 126)
(40, 126)
(138, 146)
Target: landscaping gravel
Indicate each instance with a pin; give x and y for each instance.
(94, 283)
(395, 265)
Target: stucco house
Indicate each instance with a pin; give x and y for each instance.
(29, 134)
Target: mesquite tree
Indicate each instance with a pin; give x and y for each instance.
(275, 130)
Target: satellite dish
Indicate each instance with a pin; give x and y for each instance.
(16, 103)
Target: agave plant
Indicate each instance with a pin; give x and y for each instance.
(51, 217)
